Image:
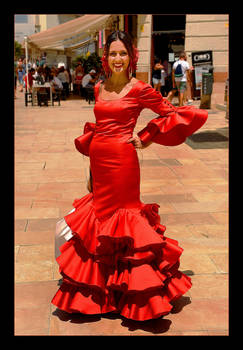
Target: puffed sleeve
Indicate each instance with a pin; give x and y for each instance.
(173, 125)
(82, 142)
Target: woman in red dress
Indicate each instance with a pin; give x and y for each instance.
(115, 256)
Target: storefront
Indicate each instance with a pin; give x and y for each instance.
(168, 35)
(168, 40)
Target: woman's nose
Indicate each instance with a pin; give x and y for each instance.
(118, 57)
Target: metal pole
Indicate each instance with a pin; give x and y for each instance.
(26, 57)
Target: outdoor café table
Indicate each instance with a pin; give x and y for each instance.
(35, 88)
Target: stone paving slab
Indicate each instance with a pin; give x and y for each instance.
(190, 185)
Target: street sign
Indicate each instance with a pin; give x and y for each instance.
(202, 57)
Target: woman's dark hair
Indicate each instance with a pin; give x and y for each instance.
(131, 49)
(156, 60)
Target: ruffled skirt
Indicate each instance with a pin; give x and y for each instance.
(122, 263)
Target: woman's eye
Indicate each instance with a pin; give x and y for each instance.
(123, 53)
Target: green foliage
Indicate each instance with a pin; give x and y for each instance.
(17, 49)
(92, 61)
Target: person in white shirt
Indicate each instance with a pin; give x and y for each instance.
(56, 83)
(89, 79)
(62, 76)
(180, 81)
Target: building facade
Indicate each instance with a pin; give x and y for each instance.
(23, 25)
(30, 24)
(209, 32)
(43, 22)
(163, 35)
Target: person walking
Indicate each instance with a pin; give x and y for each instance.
(156, 74)
(111, 248)
(21, 74)
(181, 76)
(163, 77)
(15, 77)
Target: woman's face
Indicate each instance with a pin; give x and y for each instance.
(118, 58)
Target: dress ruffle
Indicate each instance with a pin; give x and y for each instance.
(122, 263)
(82, 142)
(173, 128)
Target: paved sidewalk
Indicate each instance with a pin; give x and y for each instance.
(190, 182)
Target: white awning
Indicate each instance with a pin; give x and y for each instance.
(70, 34)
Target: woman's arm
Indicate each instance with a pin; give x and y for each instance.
(173, 125)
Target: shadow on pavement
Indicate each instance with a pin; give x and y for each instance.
(209, 139)
(155, 326)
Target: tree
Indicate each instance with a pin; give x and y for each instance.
(17, 49)
(92, 61)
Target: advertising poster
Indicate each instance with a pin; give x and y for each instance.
(200, 61)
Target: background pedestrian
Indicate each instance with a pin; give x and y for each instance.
(156, 74)
(180, 76)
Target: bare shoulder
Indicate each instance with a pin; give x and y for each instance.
(133, 81)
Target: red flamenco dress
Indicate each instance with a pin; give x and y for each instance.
(115, 257)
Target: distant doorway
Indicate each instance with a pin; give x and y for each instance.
(168, 40)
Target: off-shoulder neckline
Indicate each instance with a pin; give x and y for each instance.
(120, 98)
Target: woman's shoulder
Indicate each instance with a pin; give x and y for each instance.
(142, 89)
(141, 85)
(134, 81)
(100, 82)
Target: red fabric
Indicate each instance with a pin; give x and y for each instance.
(119, 259)
(175, 128)
(82, 142)
(30, 78)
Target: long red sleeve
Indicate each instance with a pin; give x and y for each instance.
(173, 125)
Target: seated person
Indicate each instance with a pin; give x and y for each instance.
(56, 84)
(40, 77)
(61, 75)
(89, 79)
